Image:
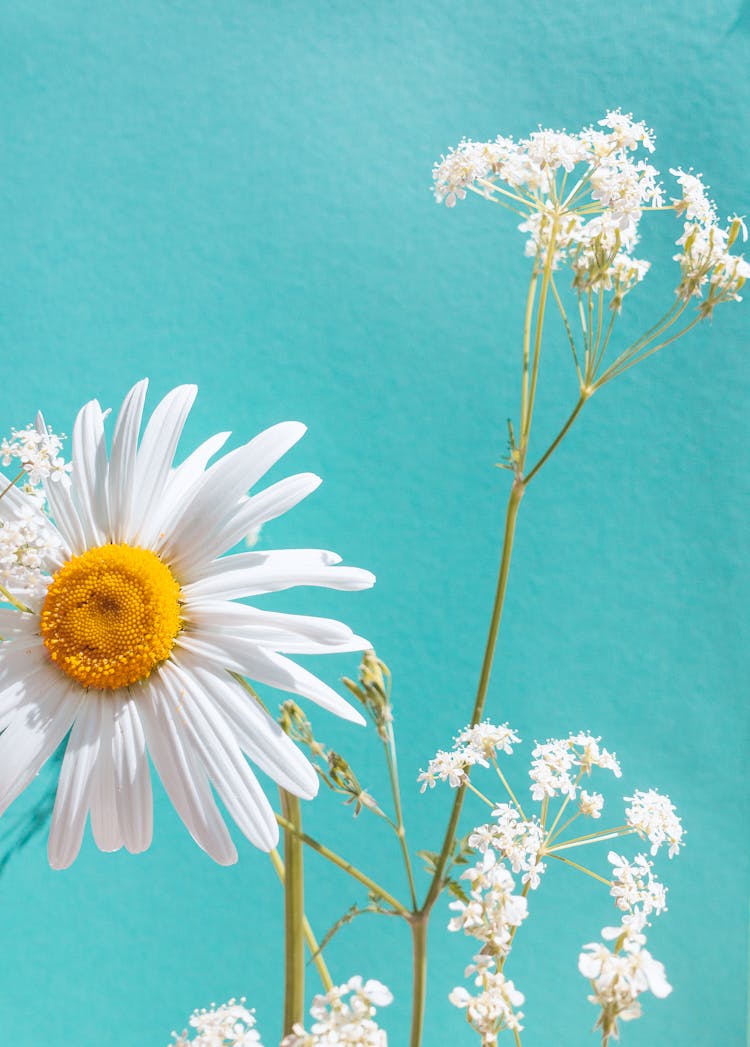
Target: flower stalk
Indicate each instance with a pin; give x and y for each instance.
(294, 915)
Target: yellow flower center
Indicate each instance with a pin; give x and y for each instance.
(111, 615)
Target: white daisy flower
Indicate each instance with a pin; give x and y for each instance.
(132, 642)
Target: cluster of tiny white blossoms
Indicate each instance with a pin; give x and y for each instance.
(584, 194)
(654, 818)
(475, 745)
(705, 257)
(492, 911)
(27, 543)
(230, 1025)
(513, 842)
(494, 1007)
(636, 890)
(38, 455)
(620, 975)
(519, 841)
(345, 1015)
(557, 766)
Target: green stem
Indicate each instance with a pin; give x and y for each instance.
(12, 600)
(419, 975)
(11, 483)
(514, 502)
(392, 762)
(342, 863)
(312, 942)
(294, 916)
(546, 277)
(581, 868)
(560, 436)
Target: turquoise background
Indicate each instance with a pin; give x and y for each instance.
(237, 194)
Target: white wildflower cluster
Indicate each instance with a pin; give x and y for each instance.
(620, 975)
(476, 744)
(28, 546)
(345, 1016)
(636, 889)
(558, 765)
(654, 818)
(582, 197)
(594, 228)
(231, 1025)
(492, 911)
(517, 841)
(38, 455)
(706, 262)
(494, 1007)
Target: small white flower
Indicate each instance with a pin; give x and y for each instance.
(231, 1025)
(38, 454)
(635, 888)
(493, 910)
(493, 1008)
(590, 804)
(653, 817)
(345, 1016)
(619, 977)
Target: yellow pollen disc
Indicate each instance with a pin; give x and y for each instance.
(111, 615)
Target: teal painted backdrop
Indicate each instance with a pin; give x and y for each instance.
(237, 194)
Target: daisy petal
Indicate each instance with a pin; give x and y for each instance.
(258, 734)
(182, 775)
(122, 461)
(132, 780)
(223, 484)
(264, 627)
(220, 754)
(155, 457)
(105, 824)
(74, 787)
(256, 511)
(35, 732)
(243, 656)
(251, 574)
(90, 469)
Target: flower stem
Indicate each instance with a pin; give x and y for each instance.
(389, 745)
(312, 942)
(514, 502)
(553, 446)
(294, 916)
(11, 483)
(581, 868)
(419, 975)
(342, 863)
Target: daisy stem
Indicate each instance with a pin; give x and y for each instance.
(342, 863)
(312, 942)
(294, 915)
(418, 923)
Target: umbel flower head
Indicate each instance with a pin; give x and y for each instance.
(134, 637)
